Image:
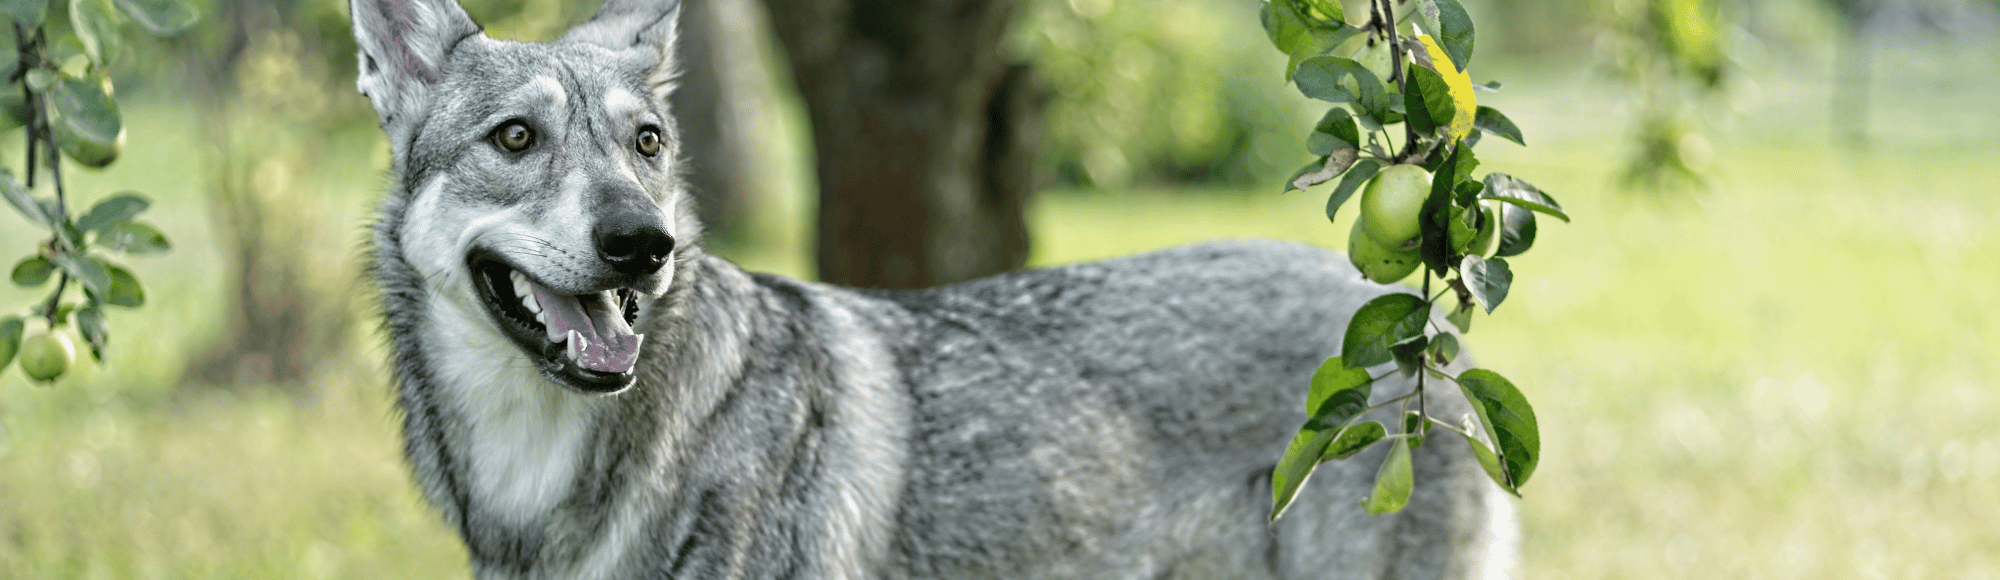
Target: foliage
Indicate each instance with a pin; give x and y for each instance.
(1674, 57)
(1406, 65)
(1154, 91)
(65, 109)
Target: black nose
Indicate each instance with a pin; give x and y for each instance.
(632, 242)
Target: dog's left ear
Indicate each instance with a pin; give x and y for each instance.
(648, 25)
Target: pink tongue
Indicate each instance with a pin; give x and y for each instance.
(595, 332)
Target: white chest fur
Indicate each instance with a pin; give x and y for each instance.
(524, 437)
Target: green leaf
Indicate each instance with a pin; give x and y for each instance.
(1340, 124)
(1453, 30)
(1326, 11)
(1461, 318)
(10, 339)
(1323, 144)
(1467, 191)
(1283, 25)
(22, 199)
(1436, 97)
(1517, 224)
(1342, 80)
(1386, 321)
(77, 65)
(1301, 36)
(1487, 279)
(62, 312)
(1353, 439)
(92, 274)
(1483, 453)
(1296, 465)
(29, 13)
(1415, 111)
(1339, 394)
(1435, 218)
(1509, 422)
(133, 237)
(1424, 18)
(1490, 120)
(125, 289)
(39, 79)
(32, 271)
(1359, 174)
(13, 111)
(87, 113)
(160, 17)
(90, 320)
(1547, 208)
(96, 24)
(1407, 353)
(1415, 425)
(112, 210)
(1444, 348)
(1392, 482)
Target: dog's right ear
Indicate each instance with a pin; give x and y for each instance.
(403, 48)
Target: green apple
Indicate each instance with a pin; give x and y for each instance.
(47, 355)
(1351, 46)
(1375, 56)
(1378, 263)
(1391, 203)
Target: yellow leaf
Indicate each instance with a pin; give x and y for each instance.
(1460, 83)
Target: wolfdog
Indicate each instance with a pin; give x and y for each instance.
(586, 394)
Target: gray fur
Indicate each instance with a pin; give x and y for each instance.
(1117, 419)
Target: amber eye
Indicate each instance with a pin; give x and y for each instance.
(513, 136)
(649, 142)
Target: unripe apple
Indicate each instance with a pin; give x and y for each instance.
(47, 355)
(1376, 57)
(1378, 263)
(1391, 203)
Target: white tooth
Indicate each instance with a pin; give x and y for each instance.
(520, 282)
(574, 350)
(538, 318)
(528, 301)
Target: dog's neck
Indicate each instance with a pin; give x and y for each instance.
(513, 451)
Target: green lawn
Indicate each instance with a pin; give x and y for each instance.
(1788, 376)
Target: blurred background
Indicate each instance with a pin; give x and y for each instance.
(1763, 349)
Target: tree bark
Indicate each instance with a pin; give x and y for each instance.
(924, 135)
(282, 321)
(719, 105)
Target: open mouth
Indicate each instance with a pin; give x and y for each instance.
(582, 341)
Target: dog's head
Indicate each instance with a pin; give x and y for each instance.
(537, 182)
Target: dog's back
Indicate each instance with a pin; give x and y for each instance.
(1121, 419)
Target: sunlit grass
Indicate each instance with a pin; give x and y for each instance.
(1788, 376)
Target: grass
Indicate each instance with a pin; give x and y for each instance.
(1789, 375)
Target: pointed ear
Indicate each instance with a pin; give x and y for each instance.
(403, 48)
(649, 25)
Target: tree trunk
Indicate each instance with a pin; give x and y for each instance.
(923, 132)
(285, 314)
(719, 105)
